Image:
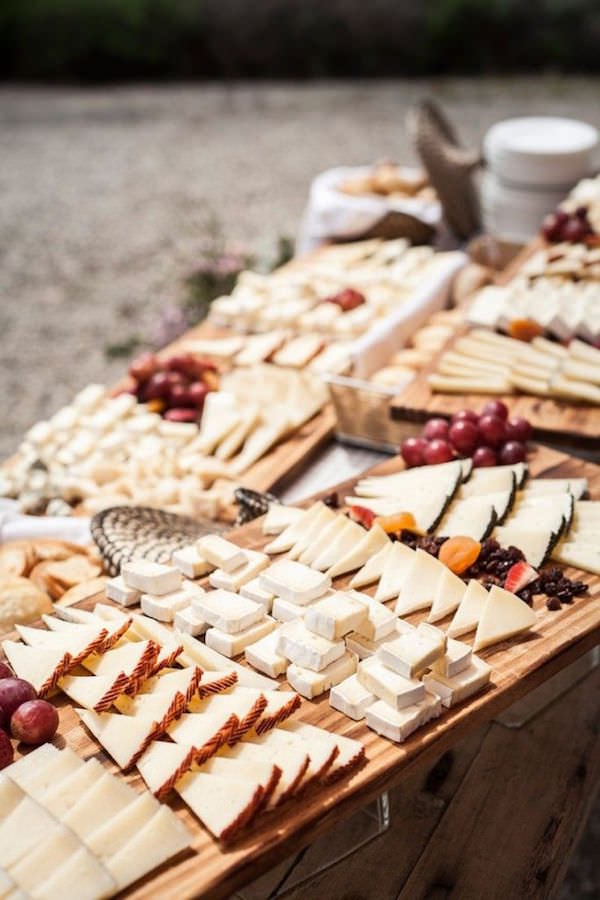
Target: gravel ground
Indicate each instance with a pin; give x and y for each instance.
(106, 196)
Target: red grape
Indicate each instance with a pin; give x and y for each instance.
(495, 408)
(464, 435)
(3, 718)
(513, 452)
(34, 722)
(518, 429)
(574, 230)
(14, 692)
(179, 395)
(144, 366)
(484, 456)
(6, 671)
(197, 391)
(7, 753)
(177, 414)
(157, 387)
(492, 430)
(551, 227)
(437, 451)
(469, 414)
(412, 451)
(436, 428)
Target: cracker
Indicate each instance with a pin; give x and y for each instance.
(15, 558)
(82, 591)
(21, 601)
(44, 582)
(73, 570)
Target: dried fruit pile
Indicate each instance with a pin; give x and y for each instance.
(176, 386)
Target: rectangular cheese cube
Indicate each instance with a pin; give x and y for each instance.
(411, 653)
(312, 684)
(220, 553)
(380, 621)
(335, 615)
(231, 645)
(351, 698)
(395, 689)
(306, 649)
(253, 591)
(456, 658)
(190, 563)
(398, 724)
(117, 590)
(254, 562)
(150, 577)
(284, 611)
(227, 611)
(164, 606)
(294, 581)
(457, 688)
(263, 655)
(187, 621)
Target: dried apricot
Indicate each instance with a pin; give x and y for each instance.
(155, 406)
(524, 329)
(403, 521)
(458, 553)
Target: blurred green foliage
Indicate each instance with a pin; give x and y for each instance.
(108, 40)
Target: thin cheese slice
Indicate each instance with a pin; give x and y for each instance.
(83, 869)
(421, 583)
(77, 643)
(372, 569)
(280, 517)
(371, 543)
(124, 737)
(112, 836)
(397, 564)
(97, 692)
(59, 799)
(27, 825)
(324, 526)
(36, 782)
(136, 660)
(223, 804)
(40, 666)
(163, 764)
(449, 592)
(348, 536)
(261, 440)
(42, 861)
(468, 614)
(280, 706)
(580, 555)
(288, 537)
(292, 762)
(163, 837)
(350, 752)
(247, 707)
(263, 772)
(504, 616)
(107, 797)
(10, 795)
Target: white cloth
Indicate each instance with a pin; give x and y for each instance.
(331, 213)
(14, 526)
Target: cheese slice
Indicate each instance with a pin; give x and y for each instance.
(103, 800)
(371, 543)
(204, 734)
(446, 384)
(249, 420)
(36, 782)
(335, 615)
(211, 660)
(280, 517)
(350, 752)
(254, 562)
(224, 805)
(161, 838)
(349, 535)
(117, 590)
(288, 537)
(150, 577)
(306, 649)
(395, 689)
(227, 611)
(468, 614)
(189, 562)
(112, 836)
(42, 861)
(59, 799)
(379, 622)
(545, 486)
(351, 698)
(397, 564)
(219, 418)
(29, 763)
(115, 629)
(134, 659)
(456, 658)
(294, 582)
(279, 707)
(27, 825)
(311, 684)
(398, 724)
(40, 666)
(147, 630)
(231, 645)
(220, 553)
(575, 389)
(165, 606)
(421, 583)
(449, 592)
(163, 764)
(291, 762)
(246, 707)
(263, 772)
(263, 655)
(488, 480)
(324, 526)
(10, 795)
(373, 568)
(474, 518)
(83, 869)
(504, 616)
(536, 543)
(78, 643)
(411, 653)
(459, 687)
(261, 440)
(253, 591)
(580, 555)
(279, 742)
(162, 708)
(171, 681)
(123, 737)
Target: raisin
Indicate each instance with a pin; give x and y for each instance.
(553, 603)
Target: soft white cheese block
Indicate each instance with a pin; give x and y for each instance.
(227, 611)
(190, 563)
(263, 655)
(372, 569)
(457, 688)
(335, 615)
(397, 564)
(280, 517)
(456, 658)
(284, 611)
(351, 698)
(504, 616)
(312, 684)
(150, 577)
(231, 645)
(220, 553)
(307, 649)
(164, 606)
(395, 689)
(365, 647)
(380, 620)
(254, 562)
(294, 581)
(187, 621)
(371, 543)
(398, 724)
(449, 592)
(253, 591)
(419, 587)
(117, 590)
(469, 611)
(411, 653)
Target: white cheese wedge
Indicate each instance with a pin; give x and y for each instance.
(263, 772)
(204, 733)
(83, 869)
(420, 585)
(468, 614)
(263, 655)
(395, 689)
(231, 645)
(544, 486)
(280, 517)
(37, 782)
(261, 440)
(112, 836)
(323, 527)
(253, 591)
(339, 547)
(117, 590)
(146, 629)
(227, 611)
(410, 654)
(42, 861)
(41, 666)
(247, 707)
(351, 698)
(580, 555)
(123, 737)
(279, 707)
(288, 537)
(397, 564)
(210, 660)
(136, 657)
(398, 724)
(372, 569)
(163, 837)
(488, 480)
(171, 681)
(63, 796)
(279, 742)
(456, 658)
(336, 615)
(306, 649)
(77, 642)
(187, 621)
(350, 752)
(162, 707)
(294, 582)
(250, 419)
(311, 684)
(163, 763)
(371, 543)
(380, 621)
(97, 692)
(220, 553)
(292, 763)
(504, 616)
(165, 606)
(449, 592)
(189, 562)
(457, 688)
(254, 562)
(223, 804)
(474, 518)
(150, 577)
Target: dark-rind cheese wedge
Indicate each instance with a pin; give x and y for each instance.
(535, 544)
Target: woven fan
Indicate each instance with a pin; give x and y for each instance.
(123, 532)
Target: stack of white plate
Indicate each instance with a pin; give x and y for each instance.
(533, 163)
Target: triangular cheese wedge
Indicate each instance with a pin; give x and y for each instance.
(372, 569)
(347, 537)
(97, 692)
(249, 420)
(216, 682)
(209, 660)
(78, 644)
(397, 565)
(280, 517)
(448, 594)
(504, 616)
(277, 743)
(164, 708)
(292, 761)
(322, 524)
(288, 537)
(420, 584)
(261, 440)
(136, 659)
(374, 540)
(263, 772)
(163, 837)
(115, 631)
(350, 752)
(124, 737)
(246, 707)
(40, 666)
(469, 611)
(110, 838)
(163, 764)
(223, 805)
(280, 706)
(204, 733)
(171, 681)
(218, 420)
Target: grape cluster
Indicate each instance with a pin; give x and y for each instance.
(23, 715)
(490, 438)
(177, 385)
(563, 226)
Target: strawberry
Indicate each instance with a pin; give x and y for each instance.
(518, 576)
(362, 515)
(6, 750)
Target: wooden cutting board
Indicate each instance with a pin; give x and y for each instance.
(518, 667)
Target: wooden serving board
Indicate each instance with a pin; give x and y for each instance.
(518, 667)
